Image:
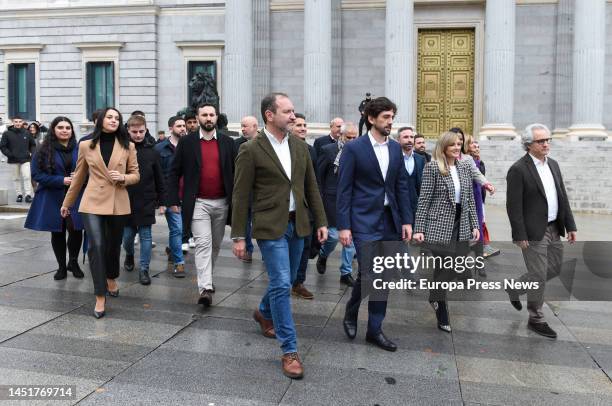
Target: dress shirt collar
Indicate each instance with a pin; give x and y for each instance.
(374, 142)
(214, 136)
(408, 156)
(273, 139)
(539, 162)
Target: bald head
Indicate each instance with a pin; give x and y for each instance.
(335, 126)
(248, 126)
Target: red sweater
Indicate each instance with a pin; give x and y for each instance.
(211, 181)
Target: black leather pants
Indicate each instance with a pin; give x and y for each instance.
(104, 236)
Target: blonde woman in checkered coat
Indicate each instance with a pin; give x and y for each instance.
(446, 214)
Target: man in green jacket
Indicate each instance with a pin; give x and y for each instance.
(276, 168)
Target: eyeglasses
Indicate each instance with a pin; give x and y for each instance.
(543, 141)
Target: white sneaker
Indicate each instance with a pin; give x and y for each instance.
(191, 243)
(185, 247)
(153, 244)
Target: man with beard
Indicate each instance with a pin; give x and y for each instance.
(414, 164)
(205, 161)
(18, 146)
(276, 169)
(166, 150)
(373, 205)
(191, 122)
(420, 147)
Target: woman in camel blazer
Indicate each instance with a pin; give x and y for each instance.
(107, 162)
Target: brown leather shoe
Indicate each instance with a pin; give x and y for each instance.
(292, 366)
(179, 271)
(267, 327)
(300, 291)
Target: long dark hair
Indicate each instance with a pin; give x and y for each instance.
(46, 154)
(121, 133)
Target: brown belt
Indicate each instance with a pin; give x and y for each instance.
(292, 216)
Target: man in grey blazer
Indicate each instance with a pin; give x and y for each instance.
(539, 213)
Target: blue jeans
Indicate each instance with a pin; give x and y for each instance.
(348, 253)
(247, 239)
(282, 259)
(175, 227)
(145, 243)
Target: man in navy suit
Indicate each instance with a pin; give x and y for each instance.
(334, 133)
(413, 162)
(373, 204)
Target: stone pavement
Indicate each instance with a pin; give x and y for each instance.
(156, 346)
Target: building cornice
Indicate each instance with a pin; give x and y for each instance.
(21, 47)
(79, 12)
(200, 44)
(98, 45)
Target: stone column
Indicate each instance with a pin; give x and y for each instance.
(238, 61)
(588, 77)
(399, 59)
(500, 27)
(261, 57)
(317, 60)
(563, 68)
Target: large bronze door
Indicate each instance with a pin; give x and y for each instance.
(445, 92)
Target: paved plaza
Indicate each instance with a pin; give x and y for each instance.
(156, 346)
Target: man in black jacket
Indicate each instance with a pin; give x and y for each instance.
(166, 149)
(18, 146)
(539, 213)
(205, 161)
(332, 138)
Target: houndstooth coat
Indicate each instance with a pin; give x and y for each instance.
(436, 209)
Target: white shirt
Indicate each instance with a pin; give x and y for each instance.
(204, 137)
(456, 183)
(382, 155)
(284, 156)
(550, 189)
(409, 162)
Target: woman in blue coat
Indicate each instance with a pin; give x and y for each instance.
(52, 167)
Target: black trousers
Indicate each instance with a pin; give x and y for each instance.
(58, 243)
(453, 250)
(104, 236)
(361, 123)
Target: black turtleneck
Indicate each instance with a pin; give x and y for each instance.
(107, 142)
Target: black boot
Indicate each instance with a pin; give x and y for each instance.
(61, 273)
(144, 277)
(128, 264)
(73, 266)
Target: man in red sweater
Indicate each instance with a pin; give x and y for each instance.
(205, 160)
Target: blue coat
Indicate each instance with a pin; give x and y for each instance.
(44, 214)
(361, 190)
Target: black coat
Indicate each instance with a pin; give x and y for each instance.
(526, 202)
(18, 145)
(187, 163)
(328, 181)
(147, 194)
(323, 141)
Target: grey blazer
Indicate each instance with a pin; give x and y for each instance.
(435, 214)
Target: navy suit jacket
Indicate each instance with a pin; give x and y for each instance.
(361, 190)
(414, 182)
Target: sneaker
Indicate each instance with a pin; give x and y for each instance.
(179, 271)
(191, 243)
(144, 277)
(28, 199)
(153, 244)
(19, 198)
(542, 329)
(300, 291)
(185, 248)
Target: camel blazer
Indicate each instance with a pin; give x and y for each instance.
(102, 195)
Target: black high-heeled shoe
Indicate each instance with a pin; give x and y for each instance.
(113, 293)
(99, 315)
(441, 315)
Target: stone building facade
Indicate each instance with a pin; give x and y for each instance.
(490, 66)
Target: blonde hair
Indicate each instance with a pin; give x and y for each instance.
(467, 140)
(439, 157)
